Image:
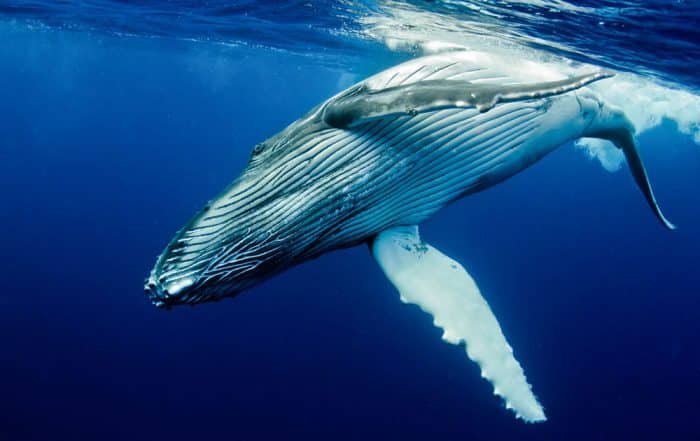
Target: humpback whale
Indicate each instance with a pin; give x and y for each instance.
(370, 164)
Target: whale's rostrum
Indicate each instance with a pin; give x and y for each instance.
(372, 163)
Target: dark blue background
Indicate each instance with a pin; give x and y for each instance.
(108, 145)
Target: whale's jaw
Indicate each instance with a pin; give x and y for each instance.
(222, 251)
(288, 206)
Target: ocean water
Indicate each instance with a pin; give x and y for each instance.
(118, 120)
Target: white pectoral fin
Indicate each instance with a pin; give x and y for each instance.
(443, 288)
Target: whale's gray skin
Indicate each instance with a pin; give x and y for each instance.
(371, 158)
(386, 153)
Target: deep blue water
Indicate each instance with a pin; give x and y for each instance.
(110, 139)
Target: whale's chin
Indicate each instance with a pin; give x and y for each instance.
(188, 293)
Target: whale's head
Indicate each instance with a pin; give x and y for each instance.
(237, 240)
(214, 257)
(286, 207)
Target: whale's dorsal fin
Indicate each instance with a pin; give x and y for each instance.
(443, 288)
(361, 103)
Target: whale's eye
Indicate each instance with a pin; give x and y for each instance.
(259, 148)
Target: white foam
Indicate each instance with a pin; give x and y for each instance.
(646, 102)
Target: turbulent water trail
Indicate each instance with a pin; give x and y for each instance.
(654, 45)
(647, 101)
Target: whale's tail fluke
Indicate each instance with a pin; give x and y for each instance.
(624, 140)
(612, 125)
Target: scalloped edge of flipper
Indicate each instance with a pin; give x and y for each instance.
(441, 287)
